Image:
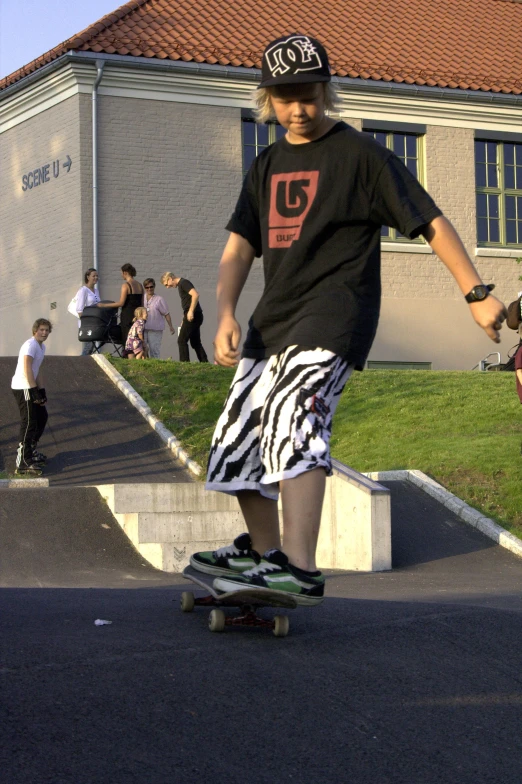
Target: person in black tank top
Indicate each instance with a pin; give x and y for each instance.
(131, 297)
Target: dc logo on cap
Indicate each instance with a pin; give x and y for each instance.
(296, 54)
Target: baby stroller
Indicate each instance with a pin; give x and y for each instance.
(100, 326)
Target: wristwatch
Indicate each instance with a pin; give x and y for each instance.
(478, 293)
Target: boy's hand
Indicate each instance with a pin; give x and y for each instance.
(226, 342)
(489, 314)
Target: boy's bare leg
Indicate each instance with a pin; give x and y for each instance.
(302, 499)
(262, 519)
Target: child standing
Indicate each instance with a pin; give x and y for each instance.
(135, 347)
(312, 205)
(29, 392)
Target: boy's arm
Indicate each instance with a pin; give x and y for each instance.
(519, 376)
(233, 271)
(28, 370)
(446, 243)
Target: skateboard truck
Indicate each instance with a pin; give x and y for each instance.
(246, 601)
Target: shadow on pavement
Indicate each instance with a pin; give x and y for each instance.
(362, 691)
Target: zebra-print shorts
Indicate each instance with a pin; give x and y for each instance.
(277, 420)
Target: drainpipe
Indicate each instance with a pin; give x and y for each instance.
(99, 65)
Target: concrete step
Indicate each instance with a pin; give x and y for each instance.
(167, 522)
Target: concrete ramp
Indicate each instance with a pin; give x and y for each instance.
(60, 537)
(94, 435)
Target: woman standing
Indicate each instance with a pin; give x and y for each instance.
(131, 297)
(157, 314)
(86, 297)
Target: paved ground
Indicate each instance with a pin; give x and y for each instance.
(408, 676)
(94, 435)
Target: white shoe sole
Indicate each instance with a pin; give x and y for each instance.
(228, 586)
(218, 571)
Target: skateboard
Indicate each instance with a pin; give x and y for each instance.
(247, 601)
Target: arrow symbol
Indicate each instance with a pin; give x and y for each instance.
(67, 164)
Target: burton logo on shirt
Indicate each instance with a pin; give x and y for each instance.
(291, 196)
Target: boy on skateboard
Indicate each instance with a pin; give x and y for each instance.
(27, 386)
(312, 205)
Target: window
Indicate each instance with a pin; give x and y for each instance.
(257, 137)
(498, 177)
(407, 145)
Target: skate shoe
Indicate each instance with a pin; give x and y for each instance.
(233, 559)
(38, 457)
(29, 470)
(275, 573)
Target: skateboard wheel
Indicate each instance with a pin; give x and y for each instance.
(216, 621)
(187, 601)
(281, 625)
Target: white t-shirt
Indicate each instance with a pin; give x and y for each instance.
(85, 298)
(31, 348)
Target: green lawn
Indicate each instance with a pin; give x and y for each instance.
(464, 429)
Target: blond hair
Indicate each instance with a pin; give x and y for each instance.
(140, 313)
(167, 276)
(264, 111)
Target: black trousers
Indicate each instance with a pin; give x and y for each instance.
(33, 419)
(190, 331)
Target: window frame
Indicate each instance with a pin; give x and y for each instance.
(247, 116)
(411, 129)
(499, 139)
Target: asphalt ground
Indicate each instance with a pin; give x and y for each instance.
(93, 435)
(413, 675)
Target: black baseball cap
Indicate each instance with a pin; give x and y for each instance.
(294, 59)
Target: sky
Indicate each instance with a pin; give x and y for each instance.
(29, 28)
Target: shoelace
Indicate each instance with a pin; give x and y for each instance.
(228, 550)
(262, 569)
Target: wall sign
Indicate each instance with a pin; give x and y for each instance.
(43, 174)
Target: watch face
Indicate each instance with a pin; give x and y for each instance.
(480, 292)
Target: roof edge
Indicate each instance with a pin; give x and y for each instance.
(254, 74)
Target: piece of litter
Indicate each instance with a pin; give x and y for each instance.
(99, 622)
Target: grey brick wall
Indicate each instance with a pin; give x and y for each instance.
(170, 174)
(424, 317)
(40, 228)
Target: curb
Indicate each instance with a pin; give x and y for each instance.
(471, 516)
(10, 484)
(140, 405)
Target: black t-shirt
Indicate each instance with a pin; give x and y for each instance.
(184, 286)
(314, 211)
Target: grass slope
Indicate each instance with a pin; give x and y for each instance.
(464, 429)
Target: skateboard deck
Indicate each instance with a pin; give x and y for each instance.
(247, 601)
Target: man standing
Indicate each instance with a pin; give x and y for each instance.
(157, 314)
(27, 386)
(192, 316)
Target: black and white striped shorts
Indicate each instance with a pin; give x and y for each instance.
(277, 420)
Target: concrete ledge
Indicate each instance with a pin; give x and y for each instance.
(168, 522)
(140, 405)
(11, 484)
(467, 513)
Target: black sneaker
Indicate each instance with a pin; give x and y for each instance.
(233, 559)
(275, 573)
(31, 469)
(38, 457)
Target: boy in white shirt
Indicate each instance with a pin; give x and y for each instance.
(29, 392)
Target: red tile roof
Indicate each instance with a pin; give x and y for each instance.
(466, 44)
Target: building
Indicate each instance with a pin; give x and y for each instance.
(441, 83)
